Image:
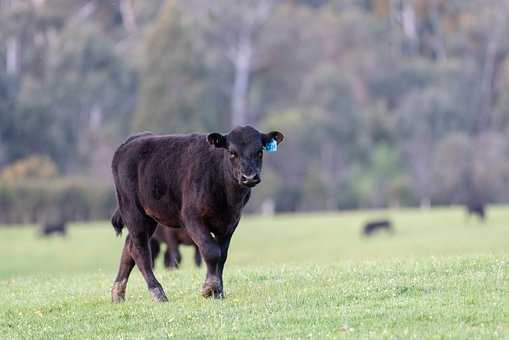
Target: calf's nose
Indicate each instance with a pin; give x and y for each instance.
(252, 179)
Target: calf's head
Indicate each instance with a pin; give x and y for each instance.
(244, 149)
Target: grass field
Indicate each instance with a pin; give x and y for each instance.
(295, 276)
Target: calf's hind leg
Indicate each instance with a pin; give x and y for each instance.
(125, 268)
(141, 229)
(143, 259)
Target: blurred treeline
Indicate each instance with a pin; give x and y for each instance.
(383, 102)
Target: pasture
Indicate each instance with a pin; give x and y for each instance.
(291, 276)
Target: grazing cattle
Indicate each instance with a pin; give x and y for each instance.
(194, 181)
(173, 238)
(476, 208)
(374, 226)
(49, 229)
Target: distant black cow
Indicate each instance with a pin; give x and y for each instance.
(173, 238)
(476, 208)
(49, 229)
(377, 225)
(195, 181)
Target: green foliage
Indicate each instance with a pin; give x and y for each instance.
(32, 167)
(70, 86)
(173, 94)
(39, 201)
(381, 180)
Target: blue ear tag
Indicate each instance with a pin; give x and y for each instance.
(271, 146)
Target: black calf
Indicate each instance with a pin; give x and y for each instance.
(49, 229)
(197, 182)
(373, 226)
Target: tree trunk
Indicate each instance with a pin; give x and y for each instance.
(128, 15)
(11, 64)
(487, 78)
(242, 69)
(331, 176)
(409, 21)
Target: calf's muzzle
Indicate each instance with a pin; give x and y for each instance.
(250, 180)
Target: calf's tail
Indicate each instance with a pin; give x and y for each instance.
(116, 221)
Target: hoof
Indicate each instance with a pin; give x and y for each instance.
(212, 289)
(118, 291)
(158, 294)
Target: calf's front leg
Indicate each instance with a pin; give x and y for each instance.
(213, 285)
(211, 253)
(224, 244)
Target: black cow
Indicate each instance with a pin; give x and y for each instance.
(476, 208)
(173, 238)
(193, 181)
(374, 226)
(49, 229)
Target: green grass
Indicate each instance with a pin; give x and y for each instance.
(295, 276)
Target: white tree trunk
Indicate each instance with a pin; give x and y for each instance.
(409, 21)
(236, 26)
(12, 66)
(38, 3)
(95, 118)
(242, 70)
(488, 74)
(128, 15)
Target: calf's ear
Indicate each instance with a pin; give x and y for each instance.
(217, 139)
(276, 135)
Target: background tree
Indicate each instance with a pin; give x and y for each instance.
(382, 102)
